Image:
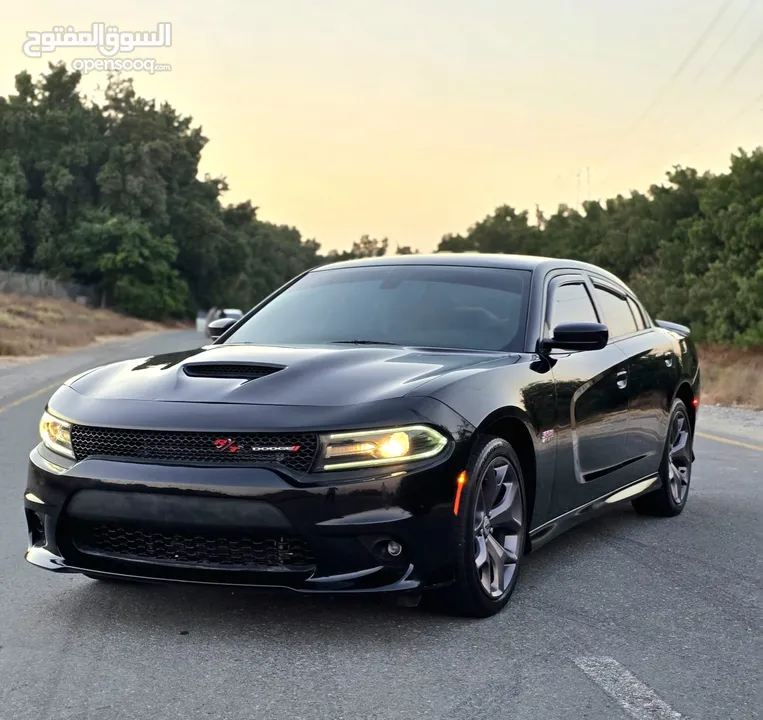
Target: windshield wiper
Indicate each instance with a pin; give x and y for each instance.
(362, 342)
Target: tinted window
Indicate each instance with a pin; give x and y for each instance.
(617, 314)
(636, 310)
(571, 303)
(424, 305)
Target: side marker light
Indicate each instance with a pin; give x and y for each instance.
(460, 482)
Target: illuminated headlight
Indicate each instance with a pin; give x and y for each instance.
(370, 448)
(56, 435)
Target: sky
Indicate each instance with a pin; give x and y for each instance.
(410, 119)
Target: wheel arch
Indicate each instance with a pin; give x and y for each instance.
(685, 393)
(513, 425)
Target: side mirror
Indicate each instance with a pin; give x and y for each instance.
(578, 336)
(218, 327)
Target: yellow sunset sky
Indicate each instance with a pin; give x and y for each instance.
(411, 119)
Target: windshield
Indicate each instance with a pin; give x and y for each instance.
(424, 306)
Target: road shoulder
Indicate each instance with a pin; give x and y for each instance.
(20, 379)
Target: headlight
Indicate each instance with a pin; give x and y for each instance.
(369, 448)
(56, 434)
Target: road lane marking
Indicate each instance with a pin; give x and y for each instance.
(22, 400)
(730, 442)
(637, 699)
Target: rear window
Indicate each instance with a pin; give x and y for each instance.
(617, 313)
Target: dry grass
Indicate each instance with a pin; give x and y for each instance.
(30, 327)
(731, 376)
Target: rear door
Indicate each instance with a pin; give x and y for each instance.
(652, 375)
(592, 402)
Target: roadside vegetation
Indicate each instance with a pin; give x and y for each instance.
(731, 376)
(108, 194)
(30, 327)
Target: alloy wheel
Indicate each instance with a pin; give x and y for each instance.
(679, 458)
(498, 527)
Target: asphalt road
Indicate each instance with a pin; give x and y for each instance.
(624, 617)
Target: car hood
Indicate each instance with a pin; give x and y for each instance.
(316, 376)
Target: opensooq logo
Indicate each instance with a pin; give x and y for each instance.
(108, 40)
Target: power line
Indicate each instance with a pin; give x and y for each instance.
(727, 37)
(677, 73)
(711, 135)
(689, 56)
(742, 61)
(700, 112)
(745, 109)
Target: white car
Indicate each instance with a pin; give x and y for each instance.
(219, 314)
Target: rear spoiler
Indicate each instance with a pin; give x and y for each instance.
(674, 327)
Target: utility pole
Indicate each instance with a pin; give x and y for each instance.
(588, 177)
(577, 196)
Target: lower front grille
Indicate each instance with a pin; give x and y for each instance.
(192, 549)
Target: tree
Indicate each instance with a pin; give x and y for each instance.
(13, 208)
(691, 248)
(110, 195)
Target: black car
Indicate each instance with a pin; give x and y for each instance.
(413, 424)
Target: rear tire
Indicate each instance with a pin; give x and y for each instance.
(670, 498)
(489, 534)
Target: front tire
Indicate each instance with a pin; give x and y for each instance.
(489, 533)
(670, 498)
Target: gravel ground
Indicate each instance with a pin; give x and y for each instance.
(731, 421)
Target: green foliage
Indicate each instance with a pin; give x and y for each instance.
(13, 208)
(366, 247)
(691, 249)
(109, 195)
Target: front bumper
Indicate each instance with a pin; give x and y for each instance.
(243, 525)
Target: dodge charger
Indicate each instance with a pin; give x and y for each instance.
(412, 425)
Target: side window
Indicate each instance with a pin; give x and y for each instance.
(636, 310)
(571, 303)
(617, 313)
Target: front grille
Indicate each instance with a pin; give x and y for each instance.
(196, 447)
(220, 370)
(192, 549)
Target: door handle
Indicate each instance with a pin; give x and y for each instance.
(668, 359)
(622, 379)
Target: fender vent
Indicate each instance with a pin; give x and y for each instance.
(240, 371)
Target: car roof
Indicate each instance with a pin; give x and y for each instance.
(532, 263)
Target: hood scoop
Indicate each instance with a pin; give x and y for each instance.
(230, 371)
